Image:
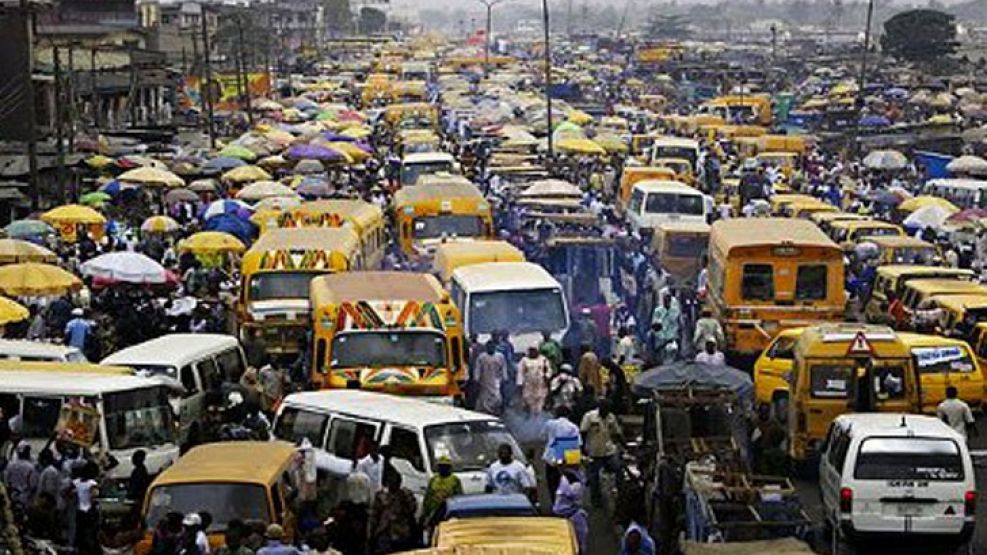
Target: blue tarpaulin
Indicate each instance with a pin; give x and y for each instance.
(934, 163)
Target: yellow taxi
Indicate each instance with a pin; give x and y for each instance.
(772, 368)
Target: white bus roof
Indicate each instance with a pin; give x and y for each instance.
(501, 276)
(427, 158)
(890, 425)
(176, 349)
(665, 186)
(67, 383)
(676, 142)
(34, 349)
(381, 406)
(962, 183)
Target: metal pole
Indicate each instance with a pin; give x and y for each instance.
(243, 68)
(861, 83)
(548, 77)
(32, 133)
(71, 98)
(59, 124)
(486, 40)
(207, 86)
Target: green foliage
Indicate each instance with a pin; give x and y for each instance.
(920, 36)
(372, 21)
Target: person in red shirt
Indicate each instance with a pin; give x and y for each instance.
(896, 311)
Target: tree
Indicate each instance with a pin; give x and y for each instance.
(338, 17)
(372, 21)
(920, 36)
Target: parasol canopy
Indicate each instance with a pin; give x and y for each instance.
(885, 160)
(211, 242)
(159, 224)
(151, 176)
(12, 311)
(125, 266)
(36, 279)
(73, 214)
(224, 207)
(916, 203)
(16, 250)
(967, 164)
(259, 190)
(246, 174)
(27, 229)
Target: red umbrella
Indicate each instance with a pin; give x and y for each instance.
(968, 215)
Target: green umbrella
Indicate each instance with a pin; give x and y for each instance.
(95, 198)
(237, 151)
(24, 229)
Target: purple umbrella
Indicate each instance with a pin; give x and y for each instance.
(364, 147)
(336, 137)
(314, 152)
(310, 188)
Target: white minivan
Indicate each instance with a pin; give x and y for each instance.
(656, 201)
(201, 362)
(896, 478)
(340, 424)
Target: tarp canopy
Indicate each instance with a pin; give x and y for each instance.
(681, 375)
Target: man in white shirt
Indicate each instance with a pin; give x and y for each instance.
(506, 475)
(372, 466)
(710, 355)
(955, 412)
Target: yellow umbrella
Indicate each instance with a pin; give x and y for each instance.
(579, 117)
(273, 162)
(276, 204)
(922, 201)
(354, 152)
(151, 176)
(98, 161)
(581, 146)
(210, 242)
(12, 311)
(15, 250)
(246, 174)
(356, 132)
(73, 214)
(34, 279)
(159, 224)
(611, 143)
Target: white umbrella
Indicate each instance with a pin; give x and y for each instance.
(265, 189)
(885, 160)
(968, 164)
(130, 267)
(932, 215)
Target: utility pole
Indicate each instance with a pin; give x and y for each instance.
(623, 19)
(32, 119)
(774, 44)
(568, 19)
(94, 98)
(862, 82)
(489, 4)
(243, 68)
(71, 102)
(59, 123)
(207, 86)
(548, 78)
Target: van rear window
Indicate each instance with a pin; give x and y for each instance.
(930, 459)
(942, 360)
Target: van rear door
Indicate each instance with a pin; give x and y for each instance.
(910, 485)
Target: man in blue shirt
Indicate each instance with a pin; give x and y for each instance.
(77, 330)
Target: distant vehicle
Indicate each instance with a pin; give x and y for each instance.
(38, 351)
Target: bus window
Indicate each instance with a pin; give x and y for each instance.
(810, 283)
(758, 282)
(831, 381)
(350, 439)
(40, 416)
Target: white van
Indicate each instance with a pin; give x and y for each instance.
(418, 164)
(519, 297)
(201, 362)
(38, 351)
(896, 478)
(657, 201)
(340, 423)
(134, 413)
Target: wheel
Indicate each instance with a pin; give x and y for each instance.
(838, 545)
(779, 406)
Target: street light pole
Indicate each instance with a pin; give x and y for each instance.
(859, 103)
(548, 77)
(489, 4)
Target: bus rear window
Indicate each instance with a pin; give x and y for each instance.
(810, 283)
(831, 381)
(758, 282)
(911, 458)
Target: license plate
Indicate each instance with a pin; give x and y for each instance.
(908, 510)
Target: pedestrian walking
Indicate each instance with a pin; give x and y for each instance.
(275, 542)
(601, 433)
(507, 475)
(491, 371)
(392, 526)
(589, 370)
(532, 378)
(443, 485)
(956, 413)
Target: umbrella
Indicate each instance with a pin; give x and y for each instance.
(884, 197)
(919, 202)
(12, 311)
(95, 198)
(240, 227)
(970, 215)
(359, 152)
(203, 186)
(125, 266)
(968, 164)
(35, 279)
(151, 176)
(237, 151)
(273, 162)
(159, 224)
(225, 207)
(278, 204)
(98, 161)
(16, 250)
(874, 120)
(931, 215)
(682, 375)
(181, 195)
(885, 160)
(309, 166)
(580, 146)
(313, 188)
(356, 132)
(265, 189)
(222, 164)
(207, 242)
(73, 214)
(25, 229)
(246, 174)
(314, 152)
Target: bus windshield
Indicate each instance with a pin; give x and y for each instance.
(674, 203)
(517, 311)
(449, 225)
(411, 172)
(223, 501)
(281, 285)
(388, 348)
(685, 245)
(138, 418)
(469, 445)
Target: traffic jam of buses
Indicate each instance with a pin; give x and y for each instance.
(510, 292)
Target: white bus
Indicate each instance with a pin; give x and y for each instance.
(134, 412)
(521, 298)
(417, 164)
(201, 362)
(965, 193)
(654, 202)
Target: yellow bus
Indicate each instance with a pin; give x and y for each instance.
(365, 218)
(440, 207)
(449, 256)
(843, 368)
(894, 278)
(903, 249)
(942, 362)
(397, 332)
(273, 308)
(769, 274)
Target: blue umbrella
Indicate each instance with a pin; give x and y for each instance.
(239, 228)
(226, 207)
(111, 188)
(896, 92)
(874, 120)
(222, 164)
